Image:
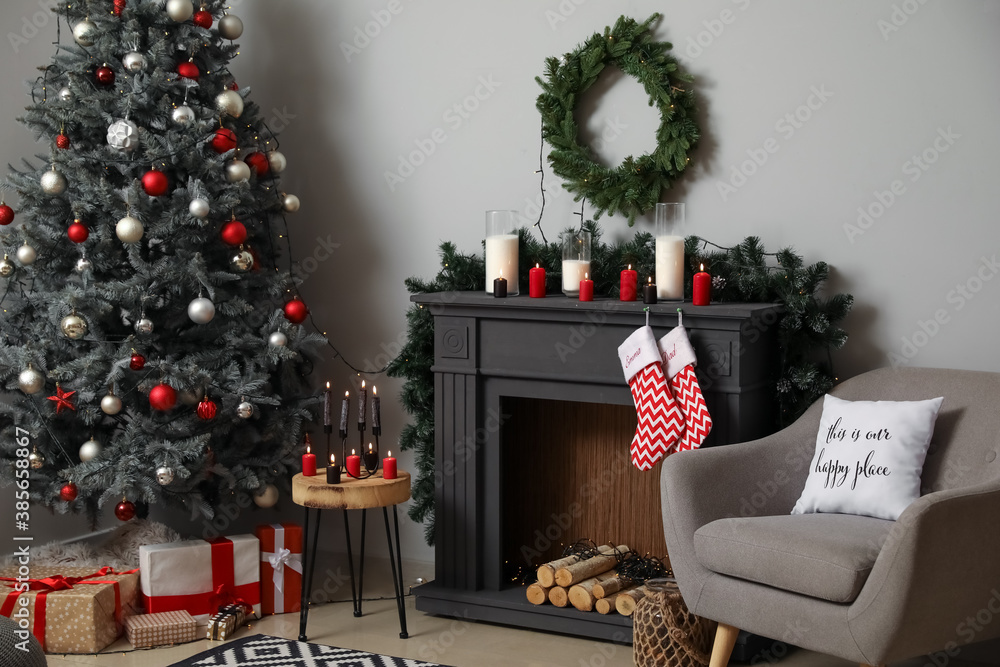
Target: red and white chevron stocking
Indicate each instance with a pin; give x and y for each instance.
(661, 423)
(679, 360)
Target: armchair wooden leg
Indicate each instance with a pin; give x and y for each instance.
(725, 640)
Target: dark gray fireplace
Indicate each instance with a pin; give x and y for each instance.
(533, 420)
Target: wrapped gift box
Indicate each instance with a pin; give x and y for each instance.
(201, 576)
(70, 609)
(280, 567)
(163, 629)
(227, 621)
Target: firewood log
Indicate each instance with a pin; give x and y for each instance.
(537, 594)
(558, 596)
(627, 600)
(606, 588)
(571, 574)
(547, 573)
(606, 605)
(581, 595)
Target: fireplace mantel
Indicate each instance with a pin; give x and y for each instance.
(488, 349)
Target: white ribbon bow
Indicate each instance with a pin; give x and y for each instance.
(278, 561)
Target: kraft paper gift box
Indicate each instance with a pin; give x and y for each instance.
(163, 629)
(69, 609)
(200, 576)
(280, 567)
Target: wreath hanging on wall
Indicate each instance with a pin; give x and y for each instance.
(633, 187)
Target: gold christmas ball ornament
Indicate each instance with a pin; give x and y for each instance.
(229, 102)
(36, 460)
(290, 203)
(26, 255)
(85, 32)
(266, 497)
(6, 267)
(129, 229)
(73, 326)
(277, 161)
(111, 404)
(123, 135)
(89, 450)
(180, 10)
(30, 381)
(236, 171)
(134, 61)
(53, 182)
(230, 27)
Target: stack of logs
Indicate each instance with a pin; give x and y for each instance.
(589, 585)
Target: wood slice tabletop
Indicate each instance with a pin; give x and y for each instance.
(350, 494)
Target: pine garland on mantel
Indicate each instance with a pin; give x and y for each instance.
(807, 328)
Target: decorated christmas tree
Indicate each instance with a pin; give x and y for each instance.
(151, 343)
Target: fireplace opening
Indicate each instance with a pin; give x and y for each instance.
(567, 475)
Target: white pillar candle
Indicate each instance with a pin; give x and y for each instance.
(501, 257)
(573, 271)
(670, 267)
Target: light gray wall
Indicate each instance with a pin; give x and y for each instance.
(894, 77)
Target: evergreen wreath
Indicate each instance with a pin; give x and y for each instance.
(634, 186)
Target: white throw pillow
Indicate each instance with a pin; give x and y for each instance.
(869, 455)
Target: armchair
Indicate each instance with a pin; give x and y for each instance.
(863, 589)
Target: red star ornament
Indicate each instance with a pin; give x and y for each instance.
(62, 399)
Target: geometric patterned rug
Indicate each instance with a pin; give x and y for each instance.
(266, 651)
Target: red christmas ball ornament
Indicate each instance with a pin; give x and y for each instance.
(125, 510)
(6, 214)
(68, 492)
(296, 311)
(162, 397)
(188, 70)
(207, 408)
(137, 362)
(155, 183)
(105, 75)
(62, 141)
(234, 233)
(203, 19)
(224, 140)
(258, 162)
(119, 6)
(78, 232)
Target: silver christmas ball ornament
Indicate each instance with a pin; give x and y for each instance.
(278, 339)
(199, 207)
(65, 94)
(180, 10)
(26, 254)
(164, 475)
(236, 171)
(73, 326)
(242, 260)
(89, 450)
(85, 32)
(201, 310)
(35, 459)
(6, 267)
(111, 404)
(83, 264)
(229, 102)
(290, 203)
(129, 229)
(134, 61)
(144, 326)
(53, 182)
(123, 135)
(277, 161)
(182, 115)
(230, 27)
(266, 497)
(244, 410)
(30, 381)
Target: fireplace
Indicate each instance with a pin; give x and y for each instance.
(533, 419)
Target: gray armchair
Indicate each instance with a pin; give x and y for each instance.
(863, 589)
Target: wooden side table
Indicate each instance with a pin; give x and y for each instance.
(313, 493)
